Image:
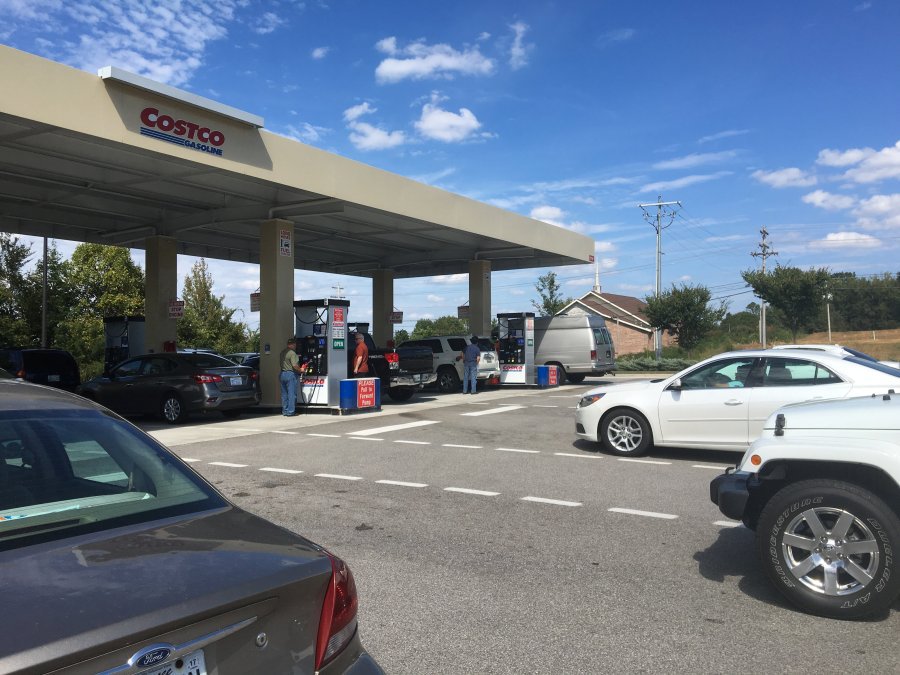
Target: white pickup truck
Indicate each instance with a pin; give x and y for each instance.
(821, 488)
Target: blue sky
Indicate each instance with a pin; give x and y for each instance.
(775, 114)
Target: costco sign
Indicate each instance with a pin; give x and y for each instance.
(181, 132)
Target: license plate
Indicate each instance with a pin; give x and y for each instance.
(192, 664)
(235, 381)
(53, 378)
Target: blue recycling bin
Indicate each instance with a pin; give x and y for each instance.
(547, 376)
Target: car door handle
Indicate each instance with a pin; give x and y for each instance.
(734, 401)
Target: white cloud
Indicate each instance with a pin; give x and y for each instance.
(846, 240)
(364, 136)
(355, 112)
(828, 157)
(431, 297)
(696, 159)
(877, 166)
(829, 201)
(320, 53)
(443, 125)
(267, 23)
(304, 132)
(518, 52)
(728, 133)
(549, 214)
(604, 247)
(684, 181)
(418, 61)
(450, 279)
(782, 178)
(616, 36)
(879, 212)
(484, 35)
(608, 263)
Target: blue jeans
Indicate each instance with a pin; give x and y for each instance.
(470, 375)
(288, 392)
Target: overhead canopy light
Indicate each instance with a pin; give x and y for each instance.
(119, 75)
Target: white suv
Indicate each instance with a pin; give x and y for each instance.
(450, 371)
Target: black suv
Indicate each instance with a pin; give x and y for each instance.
(53, 367)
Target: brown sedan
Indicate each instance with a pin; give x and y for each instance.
(118, 558)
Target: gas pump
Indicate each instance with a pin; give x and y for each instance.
(516, 347)
(321, 331)
(124, 338)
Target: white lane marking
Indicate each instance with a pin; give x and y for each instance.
(289, 433)
(325, 435)
(708, 466)
(642, 461)
(649, 514)
(558, 502)
(415, 442)
(493, 411)
(393, 427)
(190, 459)
(565, 396)
(365, 438)
(573, 407)
(572, 454)
(257, 431)
(467, 447)
(229, 464)
(727, 523)
(467, 491)
(530, 452)
(338, 476)
(402, 483)
(544, 406)
(274, 470)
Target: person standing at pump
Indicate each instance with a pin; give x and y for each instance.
(470, 356)
(361, 357)
(290, 368)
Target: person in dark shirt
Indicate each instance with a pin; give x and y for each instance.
(470, 357)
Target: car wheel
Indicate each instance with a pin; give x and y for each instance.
(447, 380)
(828, 546)
(575, 379)
(232, 414)
(400, 393)
(172, 410)
(625, 432)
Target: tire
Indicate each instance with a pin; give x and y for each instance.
(575, 379)
(232, 414)
(401, 393)
(625, 432)
(172, 409)
(827, 577)
(447, 380)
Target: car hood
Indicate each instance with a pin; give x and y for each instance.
(867, 412)
(94, 593)
(635, 385)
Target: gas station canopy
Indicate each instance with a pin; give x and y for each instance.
(115, 159)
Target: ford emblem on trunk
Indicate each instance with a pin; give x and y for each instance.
(150, 656)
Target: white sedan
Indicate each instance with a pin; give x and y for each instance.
(723, 402)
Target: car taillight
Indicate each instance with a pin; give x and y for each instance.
(21, 373)
(338, 622)
(254, 375)
(593, 355)
(207, 379)
(393, 359)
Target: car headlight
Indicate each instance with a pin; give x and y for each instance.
(590, 398)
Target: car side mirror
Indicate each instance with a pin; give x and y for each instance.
(675, 385)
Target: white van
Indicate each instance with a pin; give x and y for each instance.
(580, 345)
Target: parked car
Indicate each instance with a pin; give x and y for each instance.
(840, 351)
(240, 357)
(722, 402)
(821, 488)
(446, 348)
(175, 385)
(52, 367)
(126, 560)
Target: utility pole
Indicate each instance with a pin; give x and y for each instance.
(656, 223)
(339, 289)
(763, 253)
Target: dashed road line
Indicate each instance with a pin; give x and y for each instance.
(414, 442)
(493, 411)
(467, 447)
(544, 500)
(190, 459)
(642, 461)
(728, 523)
(393, 427)
(337, 476)
(275, 470)
(544, 406)
(469, 491)
(708, 466)
(365, 438)
(255, 431)
(229, 464)
(529, 452)
(648, 514)
(402, 483)
(572, 454)
(325, 435)
(288, 433)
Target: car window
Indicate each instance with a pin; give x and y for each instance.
(485, 345)
(129, 368)
(205, 360)
(457, 344)
(874, 365)
(43, 362)
(435, 345)
(601, 337)
(796, 373)
(72, 471)
(721, 374)
(158, 365)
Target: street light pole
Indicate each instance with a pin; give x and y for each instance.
(828, 298)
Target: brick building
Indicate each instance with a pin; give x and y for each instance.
(624, 317)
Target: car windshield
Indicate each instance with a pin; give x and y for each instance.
(47, 362)
(874, 365)
(204, 360)
(65, 472)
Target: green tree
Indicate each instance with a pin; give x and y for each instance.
(13, 257)
(207, 322)
(60, 296)
(443, 325)
(796, 294)
(551, 299)
(685, 313)
(401, 335)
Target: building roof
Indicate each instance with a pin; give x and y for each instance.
(614, 307)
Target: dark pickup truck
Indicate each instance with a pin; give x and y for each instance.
(402, 371)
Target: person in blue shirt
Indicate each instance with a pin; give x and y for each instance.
(470, 357)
